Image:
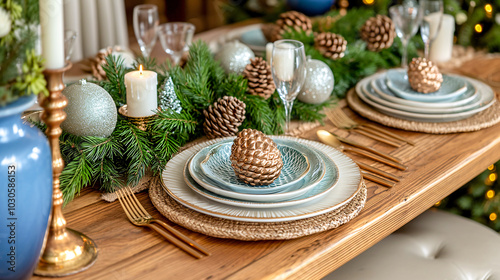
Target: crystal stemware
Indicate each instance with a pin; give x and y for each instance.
(406, 18)
(289, 72)
(69, 43)
(175, 38)
(431, 22)
(145, 26)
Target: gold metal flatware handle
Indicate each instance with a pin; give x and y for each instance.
(182, 237)
(372, 150)
(374, 127)
(377, 137)
(176, 242)
(377, 158)
(378, 179)
(378, 171)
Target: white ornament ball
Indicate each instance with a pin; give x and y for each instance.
(234, 56)
(318, 85)
(90, 112)
(5, 22)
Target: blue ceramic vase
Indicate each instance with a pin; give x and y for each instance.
(25, 191)
(311, 7)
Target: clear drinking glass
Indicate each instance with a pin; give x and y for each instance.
(69, 43)
(289, 72)
(145, 26)
(406, 18)
(175, 38)
(431, 22)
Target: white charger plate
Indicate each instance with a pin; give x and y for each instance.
(451, 87)
(375, 97)
(348, 186)
(326, 185)
(215, 163)
(378, 84)
(487, 99)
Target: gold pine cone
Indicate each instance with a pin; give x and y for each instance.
(255, 158)
(424, 76)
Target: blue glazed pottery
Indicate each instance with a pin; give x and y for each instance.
(311, 7)
(25, 191)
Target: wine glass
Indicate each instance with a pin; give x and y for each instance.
(289, 72)
(175, 38)
(145, 26)
(69, 43)
(431, 22)
(406, 18)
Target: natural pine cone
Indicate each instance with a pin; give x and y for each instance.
(224, 117)
(255, 158)
(424, 76)
(289, 21)
(378, 33)
(260, 79)
(330, 45)
(97, 62)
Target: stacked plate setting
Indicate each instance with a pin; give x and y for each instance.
(315, 179)
(458, 98)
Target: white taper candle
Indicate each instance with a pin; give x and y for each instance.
(52, 23)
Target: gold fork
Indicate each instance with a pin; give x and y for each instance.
(341, 120)
(140, 217)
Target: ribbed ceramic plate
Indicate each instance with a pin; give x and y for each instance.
(322, 188)
(215, 163)
(451, 87)
(487, 99)
(348, 185)
(378, 84)
(301, 187)
(375, 97)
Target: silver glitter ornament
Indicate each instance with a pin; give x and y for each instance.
(234, 56)
(318, 84)
(90, 112)
(167, 99)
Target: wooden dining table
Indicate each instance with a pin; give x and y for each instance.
(437, 166)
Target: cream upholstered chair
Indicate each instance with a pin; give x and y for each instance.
(99, 24)
(435, 245)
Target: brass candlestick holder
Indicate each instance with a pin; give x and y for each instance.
(66, 251)
(140, 122)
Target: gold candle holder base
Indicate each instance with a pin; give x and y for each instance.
(140, 122)
(66, 251)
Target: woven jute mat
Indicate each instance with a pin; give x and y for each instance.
(252, 231)
(484, 119)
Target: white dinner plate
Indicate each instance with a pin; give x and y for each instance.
(451, 87)
(349, 184)
(326, 185)
(487, 99)
(374, 96)
(378, 84)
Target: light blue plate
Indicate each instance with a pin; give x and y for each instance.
(373, 95)
(470, 95)
(451, 87)
(298, 163)
(324, 186)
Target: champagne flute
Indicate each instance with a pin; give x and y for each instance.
(175, 38)
(406, 18)
(289, 72)
(145, 26)
(431, 22)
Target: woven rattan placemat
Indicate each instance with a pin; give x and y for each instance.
(251, 231)
(484, 119)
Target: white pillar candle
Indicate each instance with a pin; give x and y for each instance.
(269, 52)
(442, 46)
(141, 93)
(283, 61)
(52, 23)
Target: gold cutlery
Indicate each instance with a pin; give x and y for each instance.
(327, 138)
(366, 148)
(341, 120)
(140, 217)
(378, 179)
